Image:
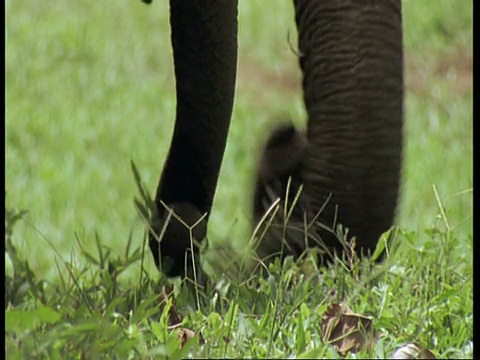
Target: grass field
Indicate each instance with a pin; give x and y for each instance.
(89, 87)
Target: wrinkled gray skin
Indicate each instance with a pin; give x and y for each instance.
(351, 56)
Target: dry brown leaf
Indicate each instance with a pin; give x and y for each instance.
(185, 335)
(413, 351)
(347, 331)
(175, 319)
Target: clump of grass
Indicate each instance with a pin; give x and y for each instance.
(420, 293)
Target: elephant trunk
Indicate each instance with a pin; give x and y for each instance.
(351, 56)
(204, 39)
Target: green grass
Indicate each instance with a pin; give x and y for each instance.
(90, 86)
(92, 313)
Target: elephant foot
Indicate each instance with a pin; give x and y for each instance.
(287, 224)
(279, 182)
(174, 241)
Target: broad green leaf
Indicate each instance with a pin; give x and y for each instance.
(25, 320)
(315, 353)
(300, 335)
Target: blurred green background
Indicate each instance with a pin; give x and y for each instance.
(90, 86)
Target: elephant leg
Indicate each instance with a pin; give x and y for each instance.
(351, 57)
(278, 181)
(352, 65)
(204, 40)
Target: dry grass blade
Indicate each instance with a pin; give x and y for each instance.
(174, 318)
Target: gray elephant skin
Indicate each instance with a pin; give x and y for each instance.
(351, 56)
(346, 167)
